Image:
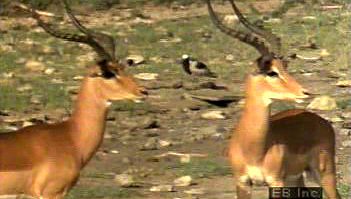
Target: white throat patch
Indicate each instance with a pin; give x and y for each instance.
(108, 103)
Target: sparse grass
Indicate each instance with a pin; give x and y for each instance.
(344, 190)
(344, 103)
(96, 192)
(97, 175)
(203, 169)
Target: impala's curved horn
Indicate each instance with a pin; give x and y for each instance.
(93, 39)
(272, 39)
(245, 37)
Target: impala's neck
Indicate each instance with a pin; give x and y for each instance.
(88, 119)
(253, 125)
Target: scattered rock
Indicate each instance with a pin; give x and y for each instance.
(309, 17)
(198, 191)
(230, 57)
(114, 152)
(151, 144)
(135, 60)
(125, 180)
(146, 76)
(324, 103)
(8, 75)
(48, 50)
(213, 115)
(213, 85)
(164, 143)
(162, 188)
(273, 20)
(346, 132)
(34, 66)
(151, 124)
(185, 159)
(108, 136)
(336, 119)
(171, 40)
(49, 71)
(346, 115)
(324, 53)
(346, 143)
(77, 78)
(344, 83)
(126, 160)
(183, 181)
(26, 87)
(230, 19)
(27, 123)
(346, 125)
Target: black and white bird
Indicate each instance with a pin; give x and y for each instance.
(196, 68)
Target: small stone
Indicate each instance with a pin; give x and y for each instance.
(309, 17)
(230, 57)
(48, 50)
(114, 152)
(146, 76)
(346, 115)
(344, 83)
(274, 20)
(8, 75)
(125, 180)
(324, 53)
(183, 181)
(346, 132)
(76, 78)
(35, 100)
(346, 143)
(336, 119)
(34, 66)
(346, 125)
(324, 103)
(126, 160)
(151, 144)
(162, 188)
(49, 71)
(198, 191)
(164, 143)
(230, 19)
(108, 136)
(213, 115)
(26, 87)
(27, 123)
(136, 59)
(185, 159)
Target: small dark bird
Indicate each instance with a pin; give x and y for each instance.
(196, 68)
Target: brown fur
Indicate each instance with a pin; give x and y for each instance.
(276, 150)
(44, 161)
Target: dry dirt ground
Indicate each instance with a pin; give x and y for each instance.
(169, 120)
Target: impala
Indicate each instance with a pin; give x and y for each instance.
(44, 161)
(276, 150)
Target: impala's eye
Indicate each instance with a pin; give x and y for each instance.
(272, 74)
(108, 75)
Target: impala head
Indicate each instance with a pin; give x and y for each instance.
(270, 80)
(108, 73)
